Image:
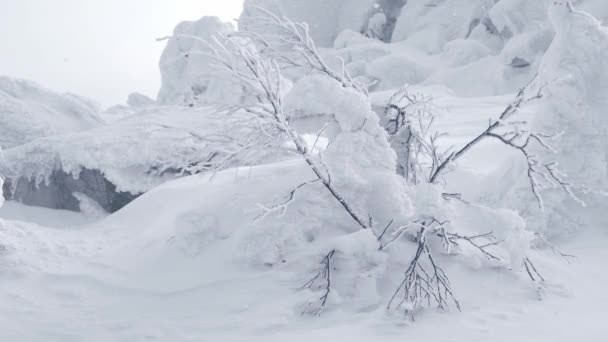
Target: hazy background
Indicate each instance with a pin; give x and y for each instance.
(102, 49)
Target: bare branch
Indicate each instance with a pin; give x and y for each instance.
(424, 283)
(323, 275)
(531, 270)
(294, 37)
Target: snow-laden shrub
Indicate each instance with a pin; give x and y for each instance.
(29, 111)
(383, 218)
(360, 160)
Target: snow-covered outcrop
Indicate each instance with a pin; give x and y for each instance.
(186, 74)
(574, 77)
(135, 103)
(29, 111)
(138, 100)
(113, 164)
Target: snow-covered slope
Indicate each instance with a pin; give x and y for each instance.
(29, 111)
(204, 270)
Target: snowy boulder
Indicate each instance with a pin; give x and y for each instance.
(431, 26)
(138, 100)
(135, 103)
(395, 70)
(29, 111)
(187, 76)
(113, 164)
(461, 52)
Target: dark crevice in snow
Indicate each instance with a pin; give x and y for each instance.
(58, 192)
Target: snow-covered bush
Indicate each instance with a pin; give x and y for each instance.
(392, 218)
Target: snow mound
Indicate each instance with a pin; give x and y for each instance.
(29, 111)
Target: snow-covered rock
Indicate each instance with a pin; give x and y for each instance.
(186, 73)
(430, 25)
(113, 164)
(138, 100)
(29, 111)
(574, 81)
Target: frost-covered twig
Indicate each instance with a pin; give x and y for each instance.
(324, 276)
(282, 36)
(541, 240)
(531, 270)
(261, 76)
(481, 242)
(409, 118)
(425, 283)
(541, 175)
(282, 207)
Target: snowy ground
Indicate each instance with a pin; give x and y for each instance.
(157, 271)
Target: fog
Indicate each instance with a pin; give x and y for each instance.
(102, 49)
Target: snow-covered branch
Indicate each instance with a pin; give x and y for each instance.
(290, 44)
(409, 119)
(322, 280)
(541, 174)
(261, 75)
(424, 282)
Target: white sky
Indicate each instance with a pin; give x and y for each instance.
(102, 49)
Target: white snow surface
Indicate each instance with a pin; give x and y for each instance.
(194, 258)
(202, 270)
